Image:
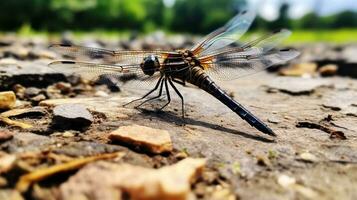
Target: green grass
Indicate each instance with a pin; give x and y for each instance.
(312, 36)
(297, 37)
(337, 36)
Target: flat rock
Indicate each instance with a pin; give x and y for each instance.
(113, 108)
(153, 140)
(139, 183)
(297, 86)
(27, 142)
(71, 116)
(7, 100)
(343, 101)
(29, 74)
(26, 112)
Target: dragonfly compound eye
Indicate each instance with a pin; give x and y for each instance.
(150, 65)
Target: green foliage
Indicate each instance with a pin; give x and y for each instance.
(201, 15)
(194, 16)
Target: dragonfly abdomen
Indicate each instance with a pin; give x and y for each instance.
(201, 79)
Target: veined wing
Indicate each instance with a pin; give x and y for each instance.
(121, 73)
(252, 57)
(234, 65)
(91, 71)
(258, 46)
(105, 55)
(225, 35)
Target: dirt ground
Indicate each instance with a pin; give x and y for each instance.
(314, 155)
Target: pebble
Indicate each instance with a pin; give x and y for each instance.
(32, 92)
(5, 135)
(139, 183)
(7, 161)
(154, 140)
(7, 100)
(306, 156)
(101, 94)
(328, 70)
(68, 134)
(63, 87)
(273, 120)
(71, 116)
(286, 181)
(38, 98)
(19, 90)
(301, 69)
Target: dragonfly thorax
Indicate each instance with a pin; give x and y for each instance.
(150, 65)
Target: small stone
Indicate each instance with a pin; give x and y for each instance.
(286, 181)
(64, 87)
(7, 100)
(19, 90)
(101, 94)
(32, 92)
(328, 70)
(301, 69)
(41, 53)
(5, 135)
(306, 156)
(7, 161)
(153, 140)
(38, 98)
(139, 183)
(68, 134)
(273, 120)
(53, 92)
(72, 116)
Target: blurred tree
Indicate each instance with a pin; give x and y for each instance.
(203, 15)
(283, 19)
(345, 19)
(198, 16)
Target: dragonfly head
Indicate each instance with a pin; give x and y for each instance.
(150, 65)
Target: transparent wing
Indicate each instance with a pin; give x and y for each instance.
(225, 35)
(99, 55)
(269, 41)
(91, 71)
(234, 65)
(127, 75)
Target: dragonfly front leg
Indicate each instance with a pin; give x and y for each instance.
(147, 94)
(158, 96)
(178, 81)
(168, 95)
(180, 95)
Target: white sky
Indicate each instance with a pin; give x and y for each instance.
(269, 9)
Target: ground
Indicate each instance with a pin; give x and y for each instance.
(314, 117)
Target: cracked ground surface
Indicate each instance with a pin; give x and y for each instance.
(314, 155)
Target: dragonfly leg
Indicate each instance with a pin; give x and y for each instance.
(168, 95)
(180, 95)
(158, 96)
(147, 94)
(178, 81)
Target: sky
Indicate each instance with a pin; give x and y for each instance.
(269, 9)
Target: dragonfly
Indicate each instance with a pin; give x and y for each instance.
(220, 55)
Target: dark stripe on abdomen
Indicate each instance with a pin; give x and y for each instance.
(200, 79)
